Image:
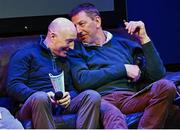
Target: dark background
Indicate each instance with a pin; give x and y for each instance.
(162, 20)
(161, 17)
(20, 17)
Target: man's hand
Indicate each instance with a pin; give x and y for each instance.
(137, 28)
(133, 72)
(51, 96)
(65, 101)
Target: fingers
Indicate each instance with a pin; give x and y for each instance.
(51, 96)
(137, 77)
(137, 28)
(133, 71)
(130, 27)
(66, 104)
(52, 100)
(133, 26)
(65, 101)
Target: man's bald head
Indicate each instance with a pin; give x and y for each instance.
(60, 37)
(61, 25)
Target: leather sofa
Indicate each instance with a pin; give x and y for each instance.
(9, 45)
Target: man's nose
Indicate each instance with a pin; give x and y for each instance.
(79, 30)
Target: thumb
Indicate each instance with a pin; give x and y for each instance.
(125, 22)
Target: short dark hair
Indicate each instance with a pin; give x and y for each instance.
(88, 8)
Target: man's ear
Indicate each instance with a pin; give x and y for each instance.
(98, 21)
(52, 35)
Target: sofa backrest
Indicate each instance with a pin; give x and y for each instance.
(10, 44)
(7, 47)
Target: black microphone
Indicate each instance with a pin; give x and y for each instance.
(58, 95)
(138, 58)
(140, 61)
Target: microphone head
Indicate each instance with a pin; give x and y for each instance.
(58, 95)
(140, 61)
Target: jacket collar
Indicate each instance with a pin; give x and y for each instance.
(108, 38)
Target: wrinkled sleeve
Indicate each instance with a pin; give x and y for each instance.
(154, 69)
(19, 68)
(85, 78)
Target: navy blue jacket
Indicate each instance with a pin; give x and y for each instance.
(29, 68)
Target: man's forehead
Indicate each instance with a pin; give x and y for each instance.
(71, 36)
(68, 31)
(79, 16)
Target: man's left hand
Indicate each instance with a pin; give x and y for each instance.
(137, 28)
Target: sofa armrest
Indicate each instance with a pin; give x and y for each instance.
(173, 76)
(6, 103)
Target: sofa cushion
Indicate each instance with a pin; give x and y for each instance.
(69, 121)
(3, 76)
(7, 103)
(133, 119)
(173, 76)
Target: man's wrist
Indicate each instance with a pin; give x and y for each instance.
(145, 40)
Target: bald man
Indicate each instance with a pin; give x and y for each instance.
(30, 85)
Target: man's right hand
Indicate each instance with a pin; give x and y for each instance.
(133, 71)
(65, 101)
